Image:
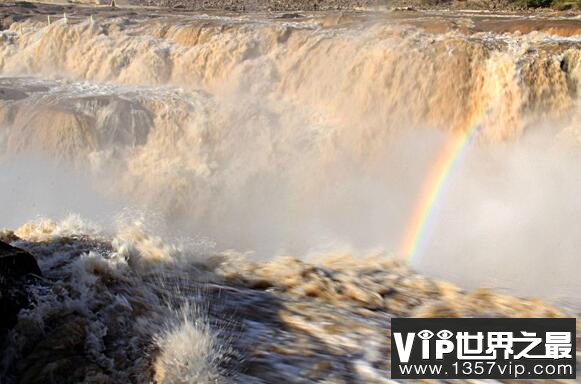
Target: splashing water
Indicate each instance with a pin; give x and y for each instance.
(195, 149)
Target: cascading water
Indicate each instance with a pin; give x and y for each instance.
(199, 145)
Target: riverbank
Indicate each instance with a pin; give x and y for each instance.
(569, 7)
(433, 19)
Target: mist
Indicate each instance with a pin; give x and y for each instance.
(505, 218)
(34, 188)
(508, 219)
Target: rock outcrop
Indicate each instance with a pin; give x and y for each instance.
(16, 268)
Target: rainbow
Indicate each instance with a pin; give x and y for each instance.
(434, 185)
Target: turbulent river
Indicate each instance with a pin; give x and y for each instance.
(222, 198)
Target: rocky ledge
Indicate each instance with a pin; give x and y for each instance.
(17, 269)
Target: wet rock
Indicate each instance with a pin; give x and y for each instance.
(16, 268)
(7, 20)
(16, 263)
(290, 16)
(12, 94)
(25, 4)
(60, 357)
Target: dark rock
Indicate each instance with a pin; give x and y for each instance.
(16, 263)
(16, 268)
(290, 16)
(59, 357)
(12, 94)
(25, 4)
